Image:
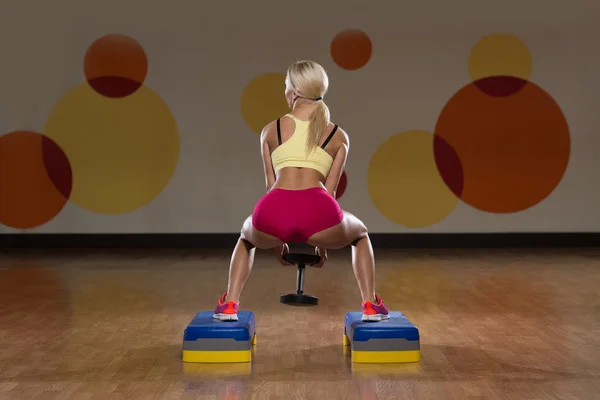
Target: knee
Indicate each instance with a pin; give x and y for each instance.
(246, 234)
(245, 242)
(363, 233)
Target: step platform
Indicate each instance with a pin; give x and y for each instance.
(395, 340)
(208, 340)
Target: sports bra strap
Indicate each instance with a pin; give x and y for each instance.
(330, 136)
(278, 131)
(324, 143)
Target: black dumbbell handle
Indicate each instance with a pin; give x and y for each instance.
(300, 279)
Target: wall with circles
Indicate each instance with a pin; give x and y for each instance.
(467, 121)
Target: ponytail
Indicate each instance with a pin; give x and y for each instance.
(319, 121)
(308, 80)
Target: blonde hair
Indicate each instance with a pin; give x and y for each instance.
(309, 80)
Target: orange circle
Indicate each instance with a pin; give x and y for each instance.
(35, 179)
(116, 55)
(351, 49)
(115, 65)
(513, 150)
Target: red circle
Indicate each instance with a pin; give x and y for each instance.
(115, 65)
(500, 86)
(351, 49)
(512, 151)
(35, 179)
(449, 165)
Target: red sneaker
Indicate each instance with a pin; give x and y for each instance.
(226, 310)
(374, 311)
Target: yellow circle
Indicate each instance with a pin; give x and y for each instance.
(500, 55)
(263, 100)
(404, 182)
(123, 152)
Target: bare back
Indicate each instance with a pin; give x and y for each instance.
(303, 178)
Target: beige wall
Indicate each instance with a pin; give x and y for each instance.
(201, 56)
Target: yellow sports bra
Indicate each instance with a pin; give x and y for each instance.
(292, 153)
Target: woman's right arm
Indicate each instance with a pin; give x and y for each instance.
(265, 151)
(266, 156)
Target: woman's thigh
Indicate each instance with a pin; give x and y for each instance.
(257, 238)
(346, 232)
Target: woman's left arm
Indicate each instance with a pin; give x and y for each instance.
(339, 164)
(265, 151)
(266, 156)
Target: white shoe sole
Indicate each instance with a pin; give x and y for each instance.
(374, 318)
(226, 317)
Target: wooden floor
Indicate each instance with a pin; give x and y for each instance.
(494, 325)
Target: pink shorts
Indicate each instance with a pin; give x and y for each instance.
(296, 215)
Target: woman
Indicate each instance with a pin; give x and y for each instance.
(304, 155)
